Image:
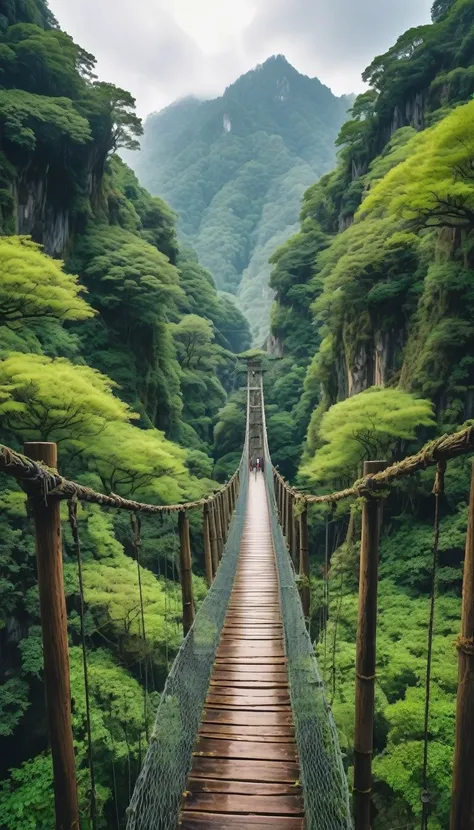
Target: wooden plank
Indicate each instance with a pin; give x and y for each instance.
(225, 730)
(277, 805)
(252, 750)
(235, 769)
(255, 736)
(245, 707)
(216, 785)
(246, 718)
(210, 821)
(276, 694)
(245, 763)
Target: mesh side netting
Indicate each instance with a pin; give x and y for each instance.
(324, 783)
(156, 800)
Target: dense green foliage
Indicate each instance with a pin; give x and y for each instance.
(235, 169)
(123, 354)
(373, 328)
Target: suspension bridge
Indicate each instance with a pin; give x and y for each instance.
(243, 735)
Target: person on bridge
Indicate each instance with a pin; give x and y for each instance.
(258, 465)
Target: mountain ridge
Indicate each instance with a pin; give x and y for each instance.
(235, 167)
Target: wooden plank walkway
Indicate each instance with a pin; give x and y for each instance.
(245, 771)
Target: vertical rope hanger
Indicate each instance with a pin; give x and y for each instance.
(438, 490)
(72, 509)
(136, 542)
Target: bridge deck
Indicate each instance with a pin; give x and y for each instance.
(245, 771)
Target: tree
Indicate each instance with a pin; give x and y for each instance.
(193, 336)
(434, 186)
(28, 120)
(34, 287)
(53, 400)
(364, 427)
(123, 125)
(140, 463)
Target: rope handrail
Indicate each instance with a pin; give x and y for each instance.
(440, 449)
(35, 477)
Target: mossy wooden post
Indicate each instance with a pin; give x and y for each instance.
(280, 500)
(230, 496)
(49, 557)
(289, 520)
(366, 653)
(284, 495)
(206, 533)
(213, 534)
(462, 803)
(225, 512)
(186, 571)
(220, 540)
(305, 593)
(295, 536)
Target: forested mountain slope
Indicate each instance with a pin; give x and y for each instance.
(373, 321)
(235, 169)
(122, 352)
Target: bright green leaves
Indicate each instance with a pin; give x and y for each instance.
(434, 187)
(126, 274)
(53, 400)
(34, 288)
(138, 462)
(365, 427)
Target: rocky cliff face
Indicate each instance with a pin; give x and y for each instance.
(35, 216)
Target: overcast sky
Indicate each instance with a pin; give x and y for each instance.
(161, 50)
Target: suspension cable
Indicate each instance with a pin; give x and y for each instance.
(438, 490)
(72, 509)
(136, 542)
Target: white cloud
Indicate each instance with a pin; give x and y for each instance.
(163, 49)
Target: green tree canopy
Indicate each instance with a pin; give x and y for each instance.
(42, 399)
(364, 427)
(434, 186)
(34, 287)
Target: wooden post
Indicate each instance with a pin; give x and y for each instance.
(186, 571)
(213, 534)
(283, 508)
(49, 558)
(207, 544)
(287, 517)
(366, 653)
(230, 502)
(462, 803)
(225, 515)
(305, 592)
(289, 538)
(220, 540)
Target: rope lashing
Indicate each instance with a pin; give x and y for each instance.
(437, 451)
(465, 644)
(72, 510)
(438, 490)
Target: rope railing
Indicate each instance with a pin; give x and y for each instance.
(37, 478)
(373, 487)
(36, 473)
(441, 449)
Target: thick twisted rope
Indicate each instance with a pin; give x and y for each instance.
(35, 478)
(439, 450)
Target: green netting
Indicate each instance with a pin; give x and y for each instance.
(156, 800)
(325, 788)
